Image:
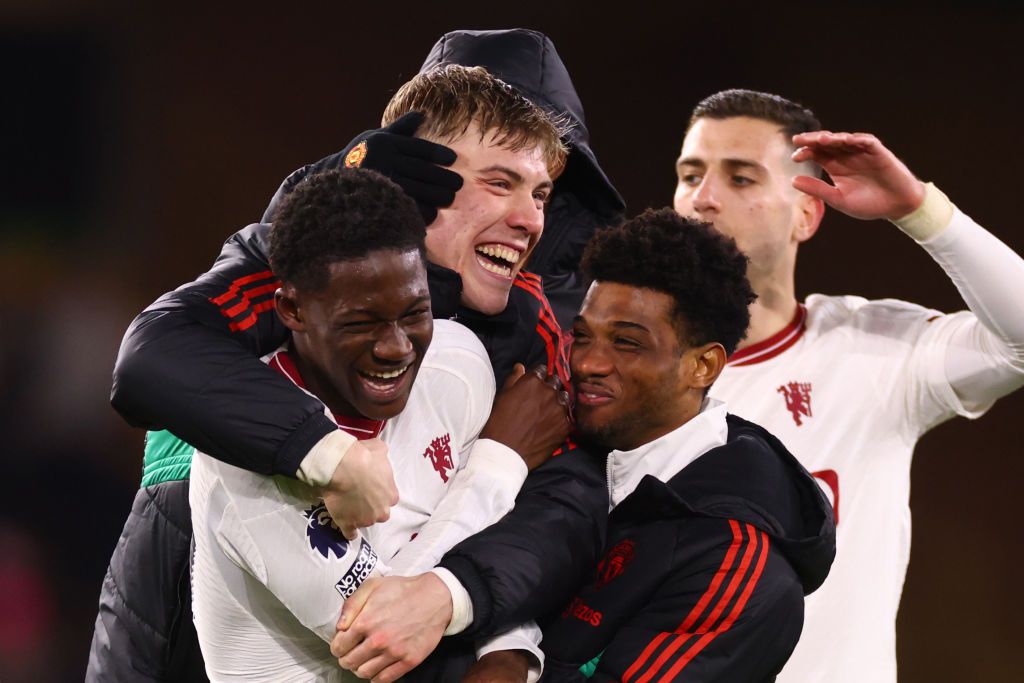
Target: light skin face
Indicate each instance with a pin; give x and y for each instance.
(495, 221)
(737, 174)
(359, 341)
(635, 379)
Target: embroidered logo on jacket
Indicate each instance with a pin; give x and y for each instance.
(323, 535)
(355, 157)
(798, 400)
(440, 454)
(578, 609)
(366, 561)
(614, 563)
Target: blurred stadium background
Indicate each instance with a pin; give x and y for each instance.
(135, 137)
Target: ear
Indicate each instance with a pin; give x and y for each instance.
(708, 363)
(286, 302)
(809, 212)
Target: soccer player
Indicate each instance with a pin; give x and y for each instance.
(716, 531)
(201, 344)
(849, 385)
(271, 570)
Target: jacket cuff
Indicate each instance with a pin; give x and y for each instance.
(462, 606)
(466, 573)
(301, 442)
(318, 467)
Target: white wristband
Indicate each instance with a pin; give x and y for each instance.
(318, 467)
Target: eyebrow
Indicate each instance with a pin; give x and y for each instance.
(731, 163)
(514, 175)
(616, 323)
(373, 314)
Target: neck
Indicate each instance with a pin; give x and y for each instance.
(775, 306)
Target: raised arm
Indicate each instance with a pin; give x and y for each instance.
(984, 355)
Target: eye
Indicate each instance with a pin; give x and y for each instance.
(626, 344)
(500, 183)
(417, 314)
(742, 180)
(542, 196)
(691, 179)
(357, 326)
(579, 337)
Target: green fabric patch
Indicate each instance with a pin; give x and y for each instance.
(166, 458)
(590, 667)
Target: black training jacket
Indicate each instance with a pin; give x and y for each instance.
(190, 362)
(703, 577)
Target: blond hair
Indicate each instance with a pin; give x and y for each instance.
(453, 97)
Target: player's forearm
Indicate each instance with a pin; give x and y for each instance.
(986, 272)
(480, 494)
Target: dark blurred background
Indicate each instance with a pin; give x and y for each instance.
(134, 138)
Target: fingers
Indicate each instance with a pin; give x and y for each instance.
(821, 144)
(406, 124)
(518, 370)
(817, 188)
(432, 152)
(354, 605)
(392, 673)
(349, 531)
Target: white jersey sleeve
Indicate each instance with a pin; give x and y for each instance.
(488, 479)
(984, 353)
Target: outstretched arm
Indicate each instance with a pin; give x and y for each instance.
(984, 355)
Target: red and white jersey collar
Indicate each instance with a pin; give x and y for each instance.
(359, 427)
(773, 345)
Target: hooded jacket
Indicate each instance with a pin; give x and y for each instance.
(190, 363)
(704, 575)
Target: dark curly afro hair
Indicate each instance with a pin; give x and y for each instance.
(699, 267)
(339, 215)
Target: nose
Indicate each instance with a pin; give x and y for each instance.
(705, 197)
(527, 215)
(393, 344)
(589, 360)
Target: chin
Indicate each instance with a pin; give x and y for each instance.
(489, 303)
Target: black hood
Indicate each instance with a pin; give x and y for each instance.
(527, 60)
(752, 478)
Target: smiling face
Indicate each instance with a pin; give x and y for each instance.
(736, 173)
(495, 221)
(360, 340)
(633, 378)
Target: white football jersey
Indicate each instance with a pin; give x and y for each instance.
(849, 387)
(271, 570)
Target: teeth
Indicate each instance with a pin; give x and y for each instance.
(500, 251)
(504, 271)
(386, 375)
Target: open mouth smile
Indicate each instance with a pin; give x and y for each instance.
(499, 259)
(385, 385)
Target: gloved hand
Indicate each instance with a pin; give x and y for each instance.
(417, 165)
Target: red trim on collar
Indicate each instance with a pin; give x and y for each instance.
(359, 427)
(773, 345)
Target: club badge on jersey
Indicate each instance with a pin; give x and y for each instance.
(798, 400)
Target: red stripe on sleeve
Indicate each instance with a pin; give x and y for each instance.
(247, 296)
(727, 624)
(250, 319)
(695, 613)
(234, 287)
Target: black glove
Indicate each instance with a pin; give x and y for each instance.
(415, 164)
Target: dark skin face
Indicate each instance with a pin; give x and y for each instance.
(635, 379)
(360, 340)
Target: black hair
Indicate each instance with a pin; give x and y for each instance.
(339, 215)
(700, 268)
(792, 117)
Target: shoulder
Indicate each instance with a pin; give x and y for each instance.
(528, 291)
(457, 355)
(885, 317)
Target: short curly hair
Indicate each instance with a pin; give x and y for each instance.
(339, 215)
(700, 268)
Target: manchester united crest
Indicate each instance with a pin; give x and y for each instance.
(439, 452)
(614, 563)
(354, 158)
(798, 400)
